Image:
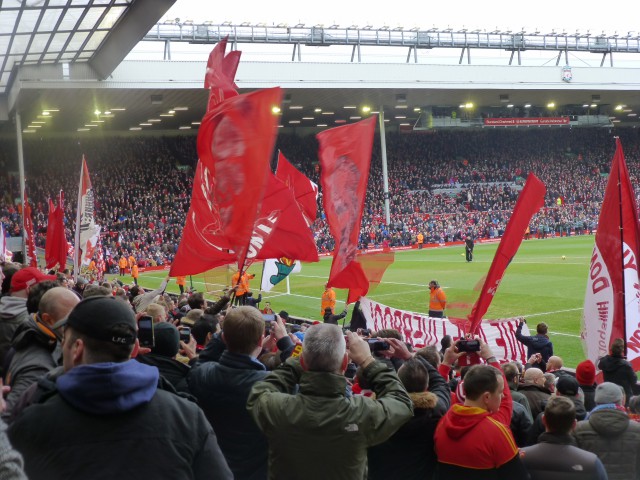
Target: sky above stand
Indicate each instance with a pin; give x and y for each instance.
(539, 15)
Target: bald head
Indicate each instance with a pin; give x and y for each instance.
(56, 304)
(554, 363)
(534, 375)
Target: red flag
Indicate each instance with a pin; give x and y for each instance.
(373, 265)
(345, 157)
(281, 229)
(530, 200)
(32, 259)
(235, 142)
(220, 74)
(304, 190)
(56, 246)
(611, 303)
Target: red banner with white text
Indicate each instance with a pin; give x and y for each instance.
(420, 330)
(612, 299)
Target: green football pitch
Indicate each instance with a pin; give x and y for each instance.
(546, 281)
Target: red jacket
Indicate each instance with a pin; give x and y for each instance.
(471, 439)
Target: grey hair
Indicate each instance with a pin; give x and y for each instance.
(323, 348)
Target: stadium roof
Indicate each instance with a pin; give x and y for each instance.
(65, 74)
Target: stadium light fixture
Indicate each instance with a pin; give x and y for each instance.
(416, 109)
(26, 130)
(184, 127)
(180, 109)
(317, 110)
(586, 105)
(510, 105)
(195, 123)
(400, 117)
(619, 107)
(90, 125)
(366, 109)
(632, 115)
(296, 107)
(461, 105)
(321, 125)
(46, 113)
(135, 128)
(349, 107)
(308, 118)
(593, 105)
(172, 112)
(51, 110)
(527, 105)
(107, 112)
(327, 113)
(469, 105)
(145, 124)
(275, 110)
(84, 129)
(295, 122)
(97, 112)
(551, 105)
(355, 118)
(34, 126)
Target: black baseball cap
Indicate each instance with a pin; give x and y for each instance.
(96, 317)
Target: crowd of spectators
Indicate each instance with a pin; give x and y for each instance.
(446, 185)
(222, 393)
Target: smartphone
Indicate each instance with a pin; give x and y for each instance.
(145, 332)
(269, 317)
(185, 334)
(377, 345)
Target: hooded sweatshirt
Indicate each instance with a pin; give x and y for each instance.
(473, 443)
(107, 388)
(617, 370)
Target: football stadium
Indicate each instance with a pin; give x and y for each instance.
(364, 239)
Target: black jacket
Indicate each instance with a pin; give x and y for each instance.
(619, 371)
(222, 389)
(409, 453)
(109, 420)
(557, 457)
(173, 371)
(536, 344)
(521, 424)
(331, 318)
(538, 427)
(32, 358)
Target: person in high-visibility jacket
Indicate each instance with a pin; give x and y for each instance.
(134, 273)
(420, 239)
(122, 264)
(437, 300)
(328, 300)
(181, 282)
(243, 286)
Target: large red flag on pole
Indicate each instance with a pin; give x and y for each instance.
(345, 158)
(530, 200)
(56, 246)
(220, 74)
(282, 230)
(235, 143)
(32, 259)
(304, 190)
(611, 302)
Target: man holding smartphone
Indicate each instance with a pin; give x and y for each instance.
(106, 412)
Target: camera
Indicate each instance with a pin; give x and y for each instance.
(377, 345)
(145, 331)
(185, 334)
(269, 317)
(468, 346)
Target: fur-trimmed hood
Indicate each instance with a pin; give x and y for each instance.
(423, 400)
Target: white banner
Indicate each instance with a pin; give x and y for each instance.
(276, 270)
(420, 330)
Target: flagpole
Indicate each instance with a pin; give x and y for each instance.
(385, 175)
(621, 227)
(22, 183)
(76, 239)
